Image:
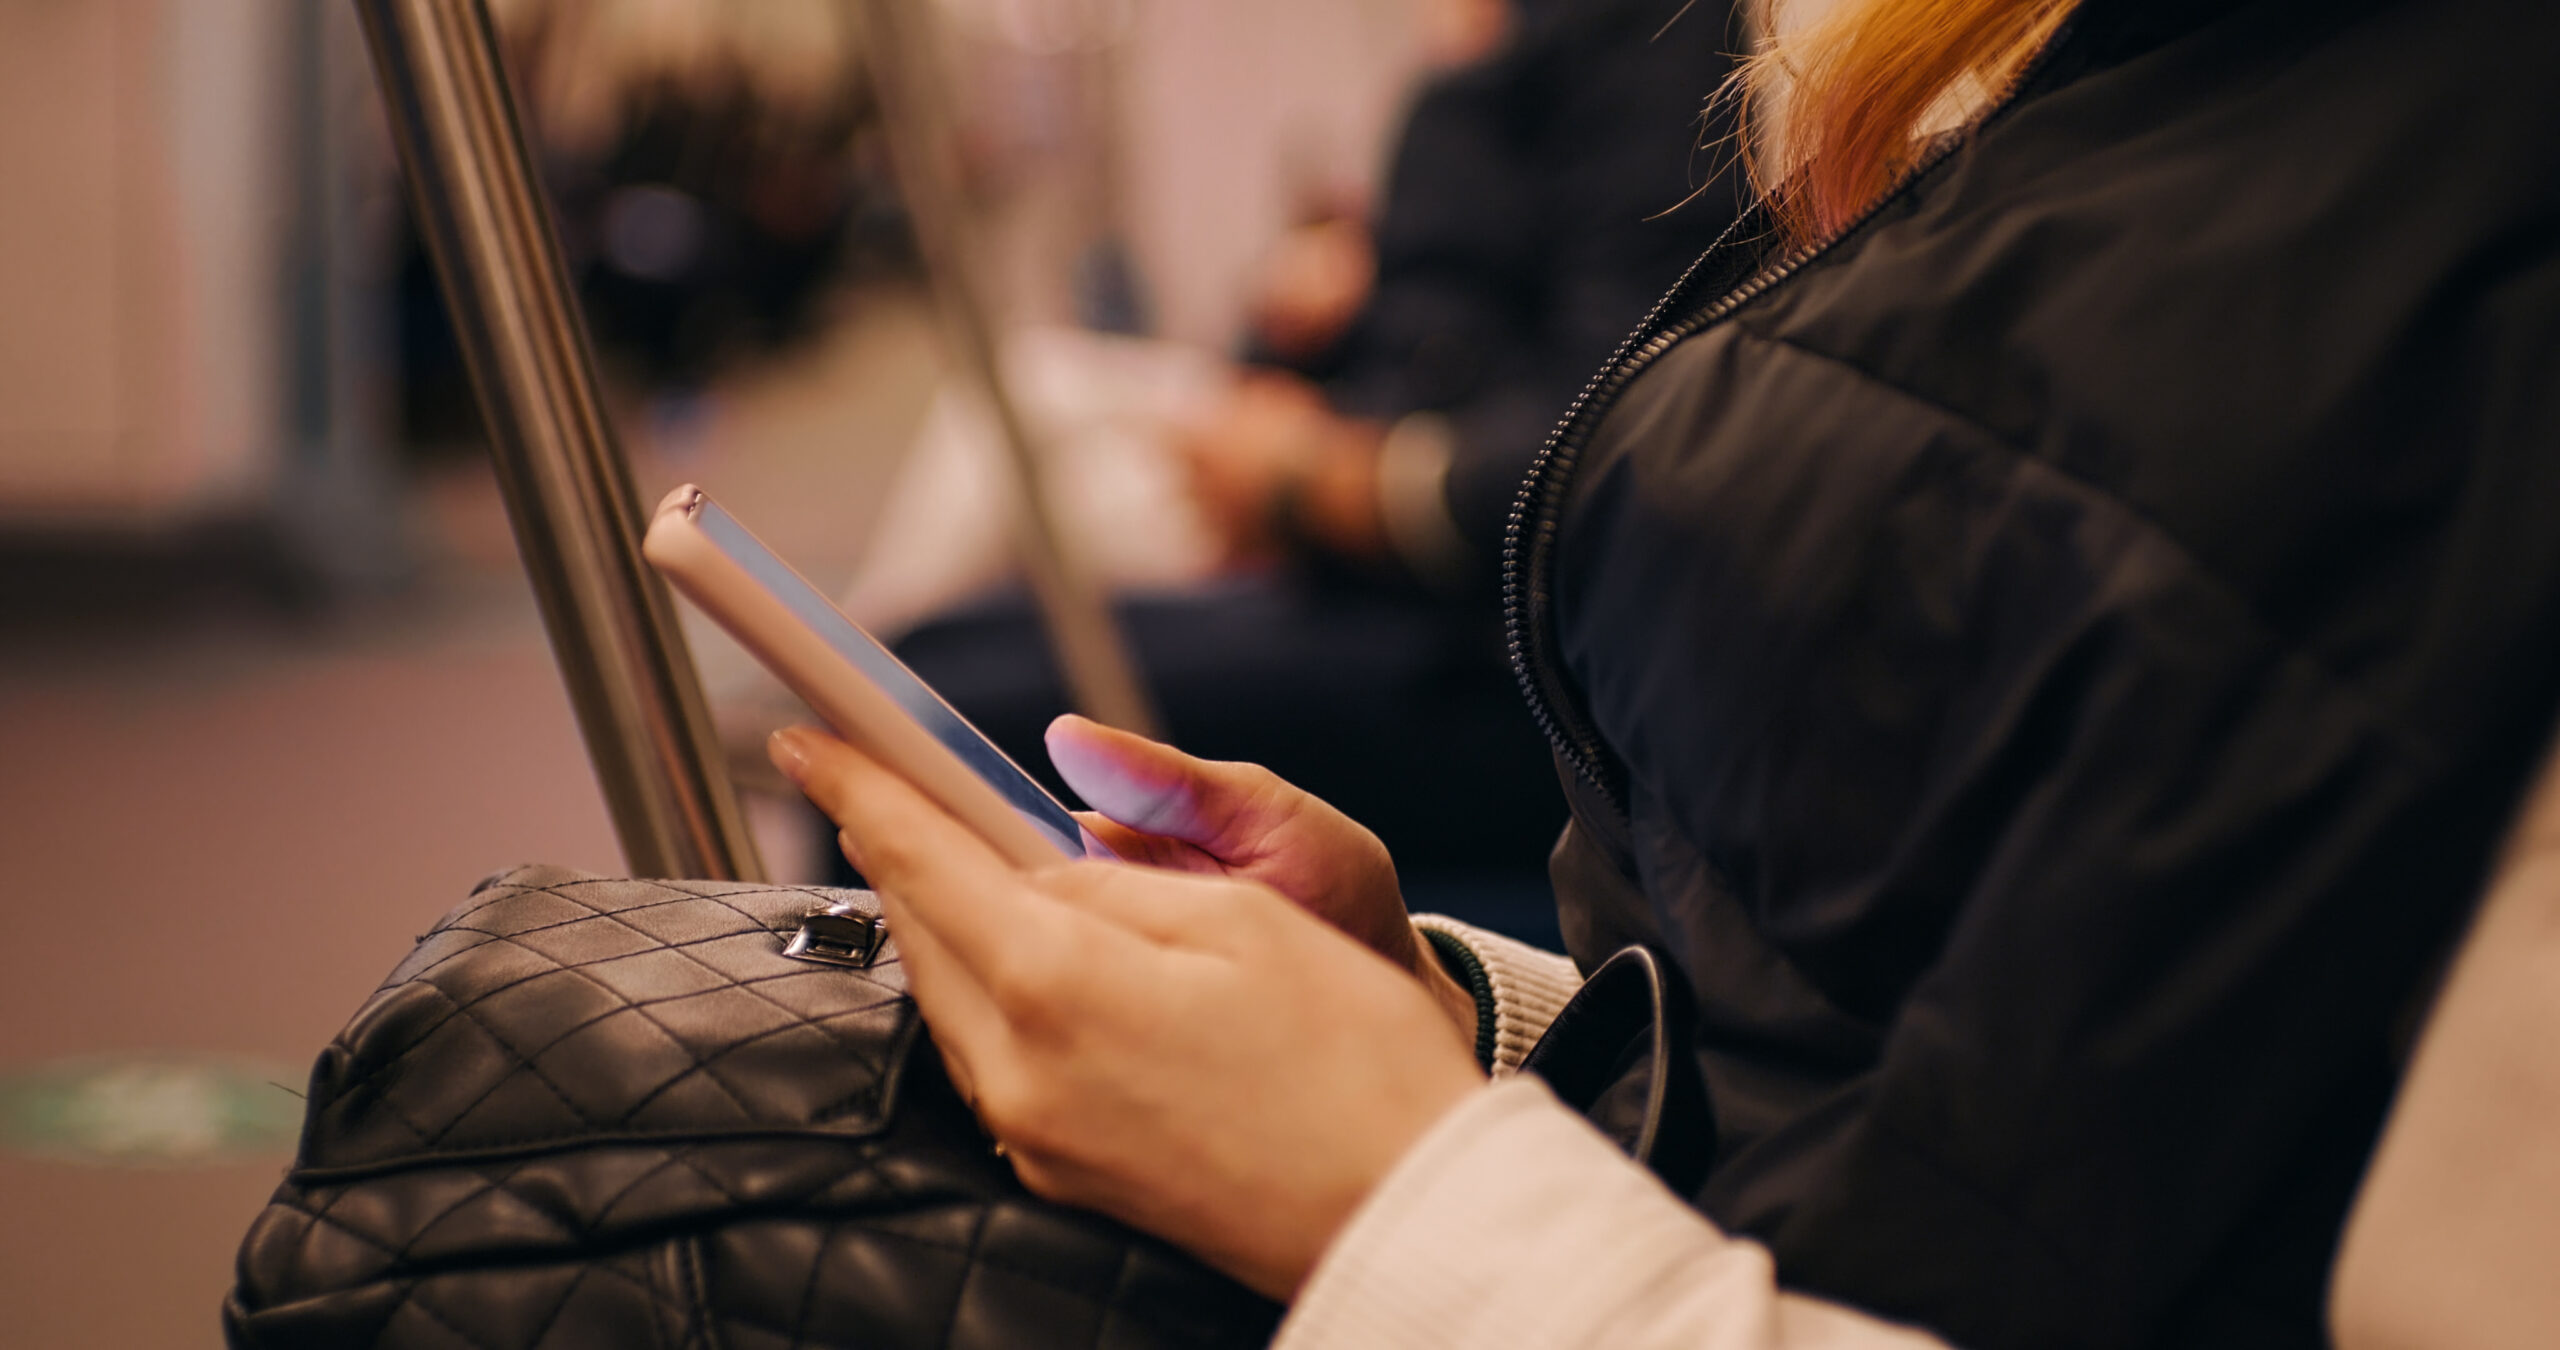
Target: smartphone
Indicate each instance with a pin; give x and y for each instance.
(869, 696)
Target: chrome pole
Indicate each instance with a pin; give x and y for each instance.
(568, 492)
(898, 43)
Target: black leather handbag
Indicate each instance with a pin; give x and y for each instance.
(647, 1114)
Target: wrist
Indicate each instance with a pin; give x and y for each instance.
(1342, 492)
(1328, 499)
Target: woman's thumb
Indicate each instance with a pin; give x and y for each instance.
(1153, 787)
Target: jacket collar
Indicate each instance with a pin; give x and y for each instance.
(2107, 32)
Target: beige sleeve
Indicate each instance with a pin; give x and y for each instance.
(1530, 986)
(2452, 1237)
(1513, 1223)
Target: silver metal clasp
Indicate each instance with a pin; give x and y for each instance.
(838, 935)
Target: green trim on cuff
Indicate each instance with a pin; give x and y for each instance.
(1460, 961)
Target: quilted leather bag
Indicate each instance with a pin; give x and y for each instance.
(588, 1111)
(611, 1113)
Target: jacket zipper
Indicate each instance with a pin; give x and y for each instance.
(1528, 541)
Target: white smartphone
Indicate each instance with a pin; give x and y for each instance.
(869, 696)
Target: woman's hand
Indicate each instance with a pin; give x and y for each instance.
(1275, 449)
(1156, 805)
(1192, 1054)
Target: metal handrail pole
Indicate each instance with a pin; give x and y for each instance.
(1101, 676)
(568, 490)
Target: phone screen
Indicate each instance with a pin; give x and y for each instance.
(892, 676)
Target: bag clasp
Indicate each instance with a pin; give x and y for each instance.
(837, 935)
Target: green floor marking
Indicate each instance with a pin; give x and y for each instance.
(151, 1110)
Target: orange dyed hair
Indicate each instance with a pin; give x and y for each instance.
(1835, 112)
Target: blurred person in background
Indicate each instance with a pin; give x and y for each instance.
(718, 171)
(2046, 636)
(1545, 187)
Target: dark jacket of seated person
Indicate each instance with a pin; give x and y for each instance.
(2052, 663)
(1538, 203)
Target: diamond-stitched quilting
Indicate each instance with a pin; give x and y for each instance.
(598, 1112)
(557, 1005)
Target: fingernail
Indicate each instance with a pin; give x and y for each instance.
(789, 753)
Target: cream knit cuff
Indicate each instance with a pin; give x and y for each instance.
(1530, 986)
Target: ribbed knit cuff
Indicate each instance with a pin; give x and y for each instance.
(1463, 967)
(1529, 986)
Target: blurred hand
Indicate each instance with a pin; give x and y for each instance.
(1276, 436)
(1313, 285)
(1191, 1053)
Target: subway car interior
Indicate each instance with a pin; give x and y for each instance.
(1933, 623)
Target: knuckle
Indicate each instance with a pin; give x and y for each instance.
(1266, 798)
(1032, 984)
(1257, 785)
(885, 855)
(1018, 1108)
(1074, 880)
(1043, 1180)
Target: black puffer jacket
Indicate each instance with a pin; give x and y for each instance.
(2052, 664)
